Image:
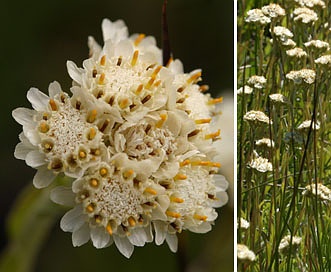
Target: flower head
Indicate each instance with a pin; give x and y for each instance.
(317, 44)
(245, 90)
(260, 164)
(265, 142)
(296, 53)
(257, 117)
(244, 254)
(273, 10)
(278, 98)
(257, 16)
(305, 15)
(257, 82)
(311, 3)
(321, 191)
(285, 244)
(306, 125)
(305, 75)
(324, 60)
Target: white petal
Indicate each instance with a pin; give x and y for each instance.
(63, 195)
(124, 48)
(23, 116)
(202, 228)
(73, 219)
(38, 99)
(124, 245)
(43, 177)
(74, 72)
(172, 242)
(221, 199)
(32, 135)
(160, 232)
(221, 182)
(149, 233)
(35, 159)
(81, 236)
(21, 150)
(138, 237)
(54, 88)
(114, 31)
(99, 237)
(93, 46)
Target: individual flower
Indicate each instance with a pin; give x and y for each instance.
(265, 142)
(273, 11)
(244, 254)
(285, 244)
(257, 117)
(139, 139)
(243, 224)
(257, 16)
(311, 3)
(257, 82)
(282, 33)
(306, 125)
(278, 98)
(305, 15)
(323, 60)
(296, 53)
(245, 90)
(321, 191)
(260, 164)
(305, 75)
(317, 44)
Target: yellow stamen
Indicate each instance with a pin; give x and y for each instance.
(138, 40)
(98, 219)
(102, 79)
(157, 83)
(92, 116)
(52, 104)
(213, 135)
(150, 191)
(215, 101)
(109, 229)
(183, 163)
(92, 134)
(200, 217)
(132, 221)
(150, 83)
(103, 60)
(128, 173)
(82, 154)
(176, 199)
(194, 77)
(203, 88)
(180, 177)
(139, 89)
(160, 123)
(156, 71)
(94, 182)
(124, 103)
(43, 127)
(90, 208)
(134, 58)
(216, 164)
(173, 214)
(169, 61)
(203, 121)
(103, 171)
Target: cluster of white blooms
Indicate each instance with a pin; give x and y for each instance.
(319, 190)
(137, 137)
(286, 244)
(305, 15)
(311, 3)
(278, 98)
(261, 164)
(273, 11)
(317, 44)
(257, 82)
(243, 224)
(283, 35)
(307, 123)
(265, 141)
(244, 254)
(245, 90)
(305, 75)
(257, 117)
(296, 53)
(323, 60)
(257, 16)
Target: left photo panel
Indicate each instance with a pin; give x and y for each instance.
(119, 120)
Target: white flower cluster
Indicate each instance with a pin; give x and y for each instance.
(317, 44)
(288, 243)
(321, 191)
(265, 15)
(311, 3)
(136, 136)
(305, 75)
(244, 254)
(305, 15)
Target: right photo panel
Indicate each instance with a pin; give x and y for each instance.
(283, 144)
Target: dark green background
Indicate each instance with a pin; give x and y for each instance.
(38, 37)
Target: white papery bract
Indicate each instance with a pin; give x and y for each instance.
(137, 136)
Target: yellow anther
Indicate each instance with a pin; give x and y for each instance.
(213, 135)
(124, 103)
(48, 147)
(156, 71)
(203, 121)
(103, 60)
(157, 83)
(139, 89)
(200, 217)
(176, 199)
(138, 40)
(91, 134)
(52, 104)
(103, 171)
(102, 79)
(150, 191)
(128, 173)
(90, 208)
(109, 229)
(92, 116)
(134, 58)
(94, 182)
(98, 219)
(82, 154)
(203, 88)
(215, 101)
(132, 221)
(180, 177)
(193, 78)
(169, 61)
(43, 127)
(173, 214)
(216, 164)
(150, 83)
(183, 163)
(160, 123)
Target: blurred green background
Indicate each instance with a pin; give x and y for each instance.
(38, 37)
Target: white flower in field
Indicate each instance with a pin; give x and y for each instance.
(139, 139)
(323, 60)
(245, 90)
(278, 98)
(282, 33)
(307, 123)
(243, 224)
(305, 75)
(260, 164)
(305, 15)
(321, 191)
(256, 117)
(257, 82)
(296, 53)
(289, 43)
(273, 10)
(257, 16)
(244, 254)
(265, 142)
(317, 44)
(285, 245)
(311, 3)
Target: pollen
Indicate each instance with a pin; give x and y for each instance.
(128, 173)
(173, 214)
(203, 121)
(177, 199)
(90, 208)
(92, 116)
(82, 154)
(98, 219)
(160, 123)
(103, 171)
(124, 103)
(103, 60)
(132, 221)
(102, 79)
(215, 101)
(150, 191)
(213, 135)
(138, 40)
(203, 88)
(134, 58)
(109, 229)
(139, 89)
(150, 83)
(193, 78)
(180, 177)
(91, 134)
(43, 127)
(200, 217)
(184, 163)
(53, 105)
(94, 183)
